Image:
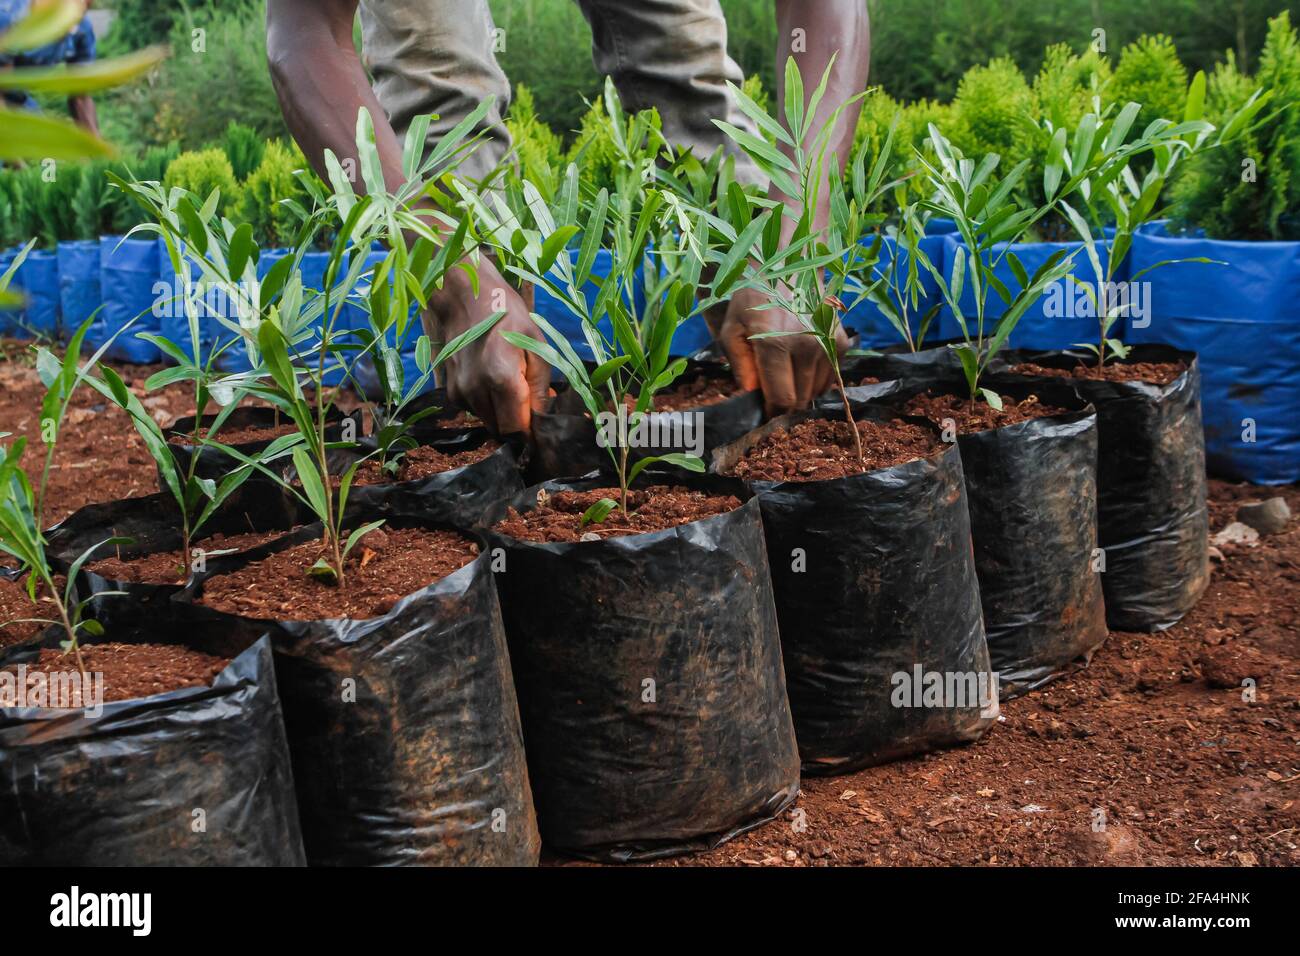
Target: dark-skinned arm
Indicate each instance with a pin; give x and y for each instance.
(82, 110)
(321, 85)
(792, 370)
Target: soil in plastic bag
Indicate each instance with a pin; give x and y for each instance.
(152, 522)
(1152, 521)
(564, 438)
(650, 682)
(877, 598)
(461, 496)
(1031, 489)
(404, 729)
(216, 464)
(193, 777)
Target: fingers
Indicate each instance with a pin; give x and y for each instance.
(538, 375)
(731, 331)
(511, 405)
(776, 374)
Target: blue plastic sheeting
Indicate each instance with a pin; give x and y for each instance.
(866, 319)
(1243, 320)
(235, 357)
(939, 226)
(79, 292)
(130, 282)
(38, 280)
(570, 326)
(1059, 319)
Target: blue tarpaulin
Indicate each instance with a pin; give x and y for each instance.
(131, 284)
(38, 280)
(79, 292)
(1243, 320)
(866, 319)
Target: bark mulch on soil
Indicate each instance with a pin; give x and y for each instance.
(698, 393)
(822, 449)
(172, 567)
(15, 606)
(132, 670)
(558, 515)
(245, 434)
(978, 416)
(1157, 373)
(384, 567)
(422, 462)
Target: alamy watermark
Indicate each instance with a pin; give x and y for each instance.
(946, 689)
(682, 431)
(1079, 300)
(52, 690)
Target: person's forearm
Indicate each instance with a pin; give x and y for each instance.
(813, 33)
(82, 110)
(322, 85)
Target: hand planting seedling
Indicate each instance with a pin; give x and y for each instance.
(808, 271)
(358, 220)
(426, 239)
(630, 348)
(1116, 196)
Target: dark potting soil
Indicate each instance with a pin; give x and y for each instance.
(821, 449)
(558, 515)
(1156, 373)
(384, 567)
(422, 462)
(978, 416)
(700, 392)
(15, 606)
(242, 435)
(172, 567)
(865, 380)
(131, 670)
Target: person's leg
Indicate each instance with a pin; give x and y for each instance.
(672, 54)
(435, 56)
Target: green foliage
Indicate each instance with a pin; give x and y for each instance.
(1067, 83)
(268, 197)
(244, 148)
(539, 150)
(593, 150)
(880, 113)
(37, 202)
(809, 273)
(993, 110)
(196, 94)
(531, 236)
(1250, 189)
(203, 171)
(1150, 73)
(1068, 86)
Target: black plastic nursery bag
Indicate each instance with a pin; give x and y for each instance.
(404, 729)
(650, 682)
(1151, 514)
(193, 777)
(877, 598)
